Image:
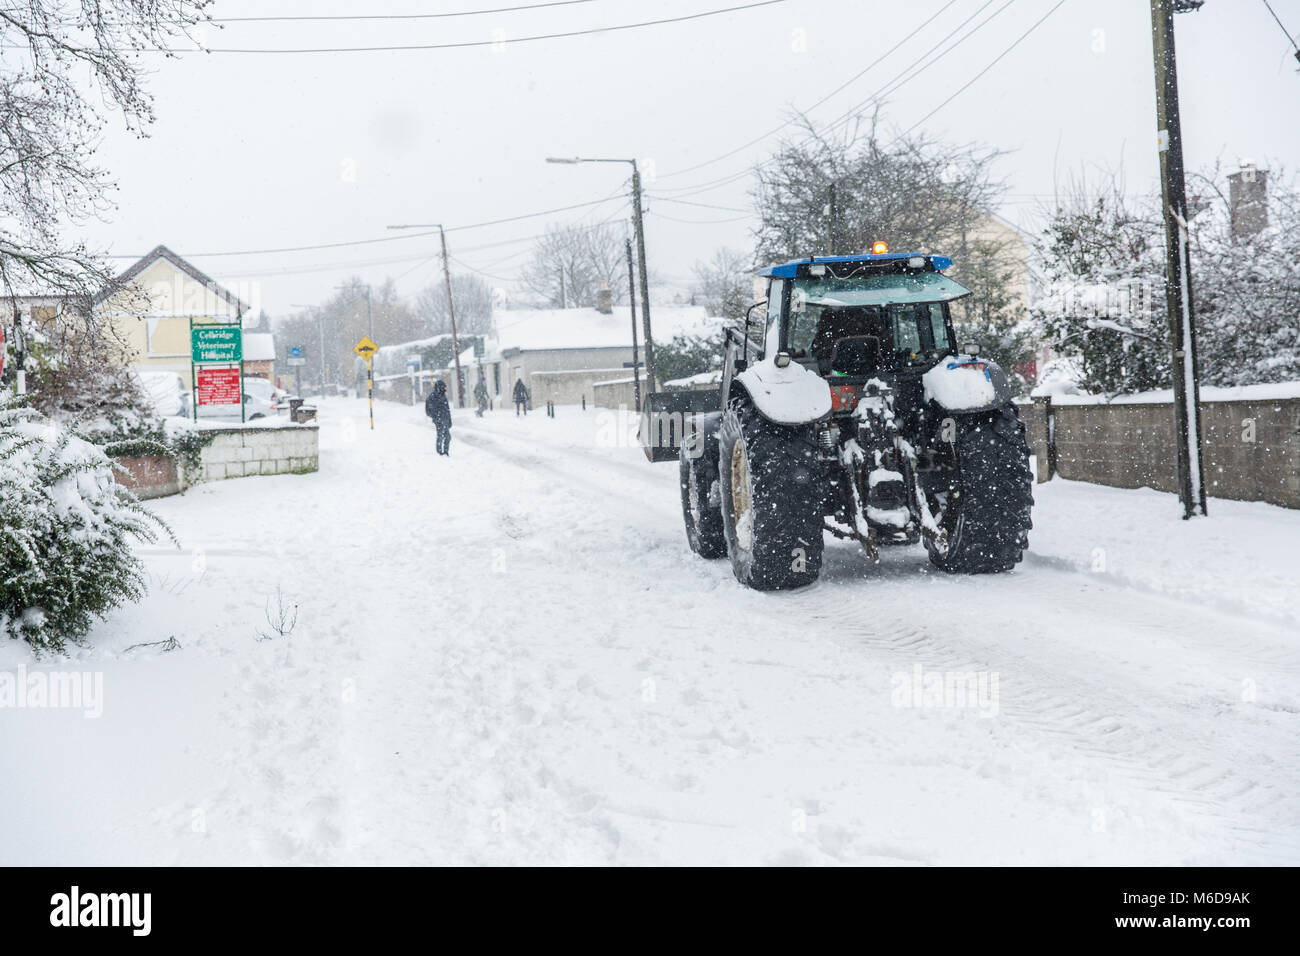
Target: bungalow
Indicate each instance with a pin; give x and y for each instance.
(152, 317)
(561, 354)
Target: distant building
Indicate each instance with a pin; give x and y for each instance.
(560, 354)
(259, 355)
(164, 295)
(149, 318)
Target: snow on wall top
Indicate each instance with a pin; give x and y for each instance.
(1241, 393)
(539, 329)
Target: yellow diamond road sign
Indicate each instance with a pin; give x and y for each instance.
(366, 347)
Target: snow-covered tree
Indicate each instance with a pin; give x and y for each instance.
(1104, 260)
(66, 532)
(907, 190)
(1247, 290)
(68, 64)
(472, 298)
(570, 262)
(724, 284)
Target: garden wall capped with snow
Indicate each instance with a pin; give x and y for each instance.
(1251, 441)
(236, 451)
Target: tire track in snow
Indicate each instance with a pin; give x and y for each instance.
(1120, 732)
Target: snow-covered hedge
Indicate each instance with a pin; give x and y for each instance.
(66, 529)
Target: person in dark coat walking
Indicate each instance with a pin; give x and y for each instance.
(521, 397)
(438, 408)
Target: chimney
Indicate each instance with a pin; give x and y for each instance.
(1248, 200)
(604, 298)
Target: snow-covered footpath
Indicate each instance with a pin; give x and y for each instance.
(510, 656)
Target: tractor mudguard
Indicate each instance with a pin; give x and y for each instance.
(785, 396)
(966, 383)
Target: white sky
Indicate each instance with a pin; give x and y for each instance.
(256, 151)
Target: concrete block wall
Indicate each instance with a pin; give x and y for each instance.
(237, 452)
(570, 387)
(616, 394)
(1251, 448)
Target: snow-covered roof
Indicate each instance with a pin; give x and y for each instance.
(540, 329)
(259, 347)
(405, 347)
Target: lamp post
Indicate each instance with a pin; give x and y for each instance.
(451, 304)
(640, 248)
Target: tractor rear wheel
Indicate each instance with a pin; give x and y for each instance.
(771, 501)
(983, 507)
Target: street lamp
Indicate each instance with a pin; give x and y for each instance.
(451, 306)
(640, 248)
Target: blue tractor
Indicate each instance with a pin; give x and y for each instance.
(847, 407)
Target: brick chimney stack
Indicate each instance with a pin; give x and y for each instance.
(1248, 200)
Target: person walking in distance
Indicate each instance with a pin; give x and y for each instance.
(438, 408)
(481, 397)
(521, 397)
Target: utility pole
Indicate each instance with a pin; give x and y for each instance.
(1178, 277)
(451, 304)
(830, 221)
(645, 280)
(640, 249)
(451, 314)
(631, 297)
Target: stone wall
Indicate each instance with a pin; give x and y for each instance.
(236, 452)
(571, 387)
(1251, 448)
(617, 394)
(149, 476)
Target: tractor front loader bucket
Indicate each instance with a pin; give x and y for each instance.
(669, 417)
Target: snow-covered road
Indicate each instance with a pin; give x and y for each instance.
(510, 656)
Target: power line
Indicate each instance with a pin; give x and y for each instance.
(1290, 38)
(853, 79)
(952, 96)
(687, 202)
(402, 16)
(367, 242)
(697, 222)
(965, 86)
(892, 85)
(500, 41)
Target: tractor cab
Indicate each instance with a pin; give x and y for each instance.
(852, 319)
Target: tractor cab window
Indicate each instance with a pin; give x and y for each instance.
(775, 293)
(860, 325)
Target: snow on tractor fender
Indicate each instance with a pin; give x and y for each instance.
(965, 383)
(786, 396)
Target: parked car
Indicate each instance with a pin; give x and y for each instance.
(261, 400)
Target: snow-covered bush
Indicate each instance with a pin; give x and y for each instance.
(66, 529)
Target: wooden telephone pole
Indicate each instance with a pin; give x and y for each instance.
(1178, 275)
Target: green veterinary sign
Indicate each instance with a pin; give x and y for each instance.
(217, 343)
